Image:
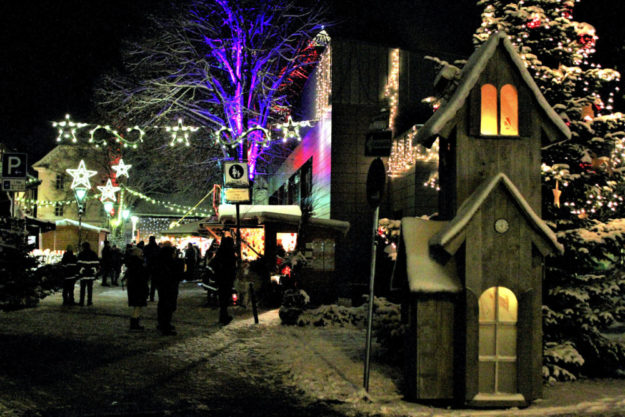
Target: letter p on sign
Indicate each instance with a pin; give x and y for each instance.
(14, 165)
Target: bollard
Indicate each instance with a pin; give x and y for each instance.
(254, 309)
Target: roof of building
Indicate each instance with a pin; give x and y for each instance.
(58, 152)
(470, 75)
(470, 206)
(424, 274)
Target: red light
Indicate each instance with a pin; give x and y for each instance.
(235, 297)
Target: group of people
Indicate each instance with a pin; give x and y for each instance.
(155, 268)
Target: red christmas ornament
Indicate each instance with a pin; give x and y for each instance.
(534, 21)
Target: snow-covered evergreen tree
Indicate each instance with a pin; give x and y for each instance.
(583, 183)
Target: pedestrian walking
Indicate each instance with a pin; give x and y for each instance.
(137, 286)
(224, 265)
(150, 254)
(168, 275)
(69, 261)
(88, 263)
(190, 260)
(106, 264)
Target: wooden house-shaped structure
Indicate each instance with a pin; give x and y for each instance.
(473, 277)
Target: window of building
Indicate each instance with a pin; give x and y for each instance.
(58, 210)
(499, 112)
(498, 309)
(60, 182)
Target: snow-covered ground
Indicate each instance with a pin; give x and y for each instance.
(314, 366)
(327, 363)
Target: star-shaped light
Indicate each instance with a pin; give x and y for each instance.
(67, 129)
(81, 175)
(180, 133)
(108, 191)
(290, 129)
(121, 169)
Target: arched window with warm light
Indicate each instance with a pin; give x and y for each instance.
(498, 315)
(488, 115)
(509, 122)
(499, 114)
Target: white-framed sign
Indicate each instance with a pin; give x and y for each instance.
(236, 174)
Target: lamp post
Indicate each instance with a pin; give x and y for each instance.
(80, 194)
(81, 186)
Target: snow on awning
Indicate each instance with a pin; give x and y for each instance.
(288, 214)
(70, 222)
(424, 274)
(228, 212)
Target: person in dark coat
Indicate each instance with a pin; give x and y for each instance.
(150, 254)
(69, 260)
(106, 263)
(117, 261)
(168, 274)
(224, 265)
(137, 285)
(88, 263)
(190, 260)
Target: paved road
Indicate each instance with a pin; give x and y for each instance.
(83, 361)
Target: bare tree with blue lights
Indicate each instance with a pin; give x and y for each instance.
(230, 67)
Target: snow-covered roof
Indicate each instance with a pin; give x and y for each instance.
(470, 75)
(247, 211)
(70, 222)
(191, 228)
(289, 214)
(470, 206)
(424, 274)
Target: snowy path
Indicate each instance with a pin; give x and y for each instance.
(59, 361)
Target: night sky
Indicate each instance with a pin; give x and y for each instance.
(53, 51)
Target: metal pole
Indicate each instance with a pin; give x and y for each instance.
(370, 309)
(79, 227)
(238, 232)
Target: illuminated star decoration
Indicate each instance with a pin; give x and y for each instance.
(121, 169)
(180, 133)
(290, 129)
(108, 191)
(67, 129)
(81, 175)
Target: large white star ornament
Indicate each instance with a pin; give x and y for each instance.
(108, 191)
(121, 169)
(81, 175)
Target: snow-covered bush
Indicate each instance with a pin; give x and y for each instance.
(557, 358)
(293, 304)
(387, 327)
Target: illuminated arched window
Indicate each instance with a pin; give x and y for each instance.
(488, 124)
(509, 122)
(498, 310)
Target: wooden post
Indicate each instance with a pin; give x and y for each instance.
(254, 309)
